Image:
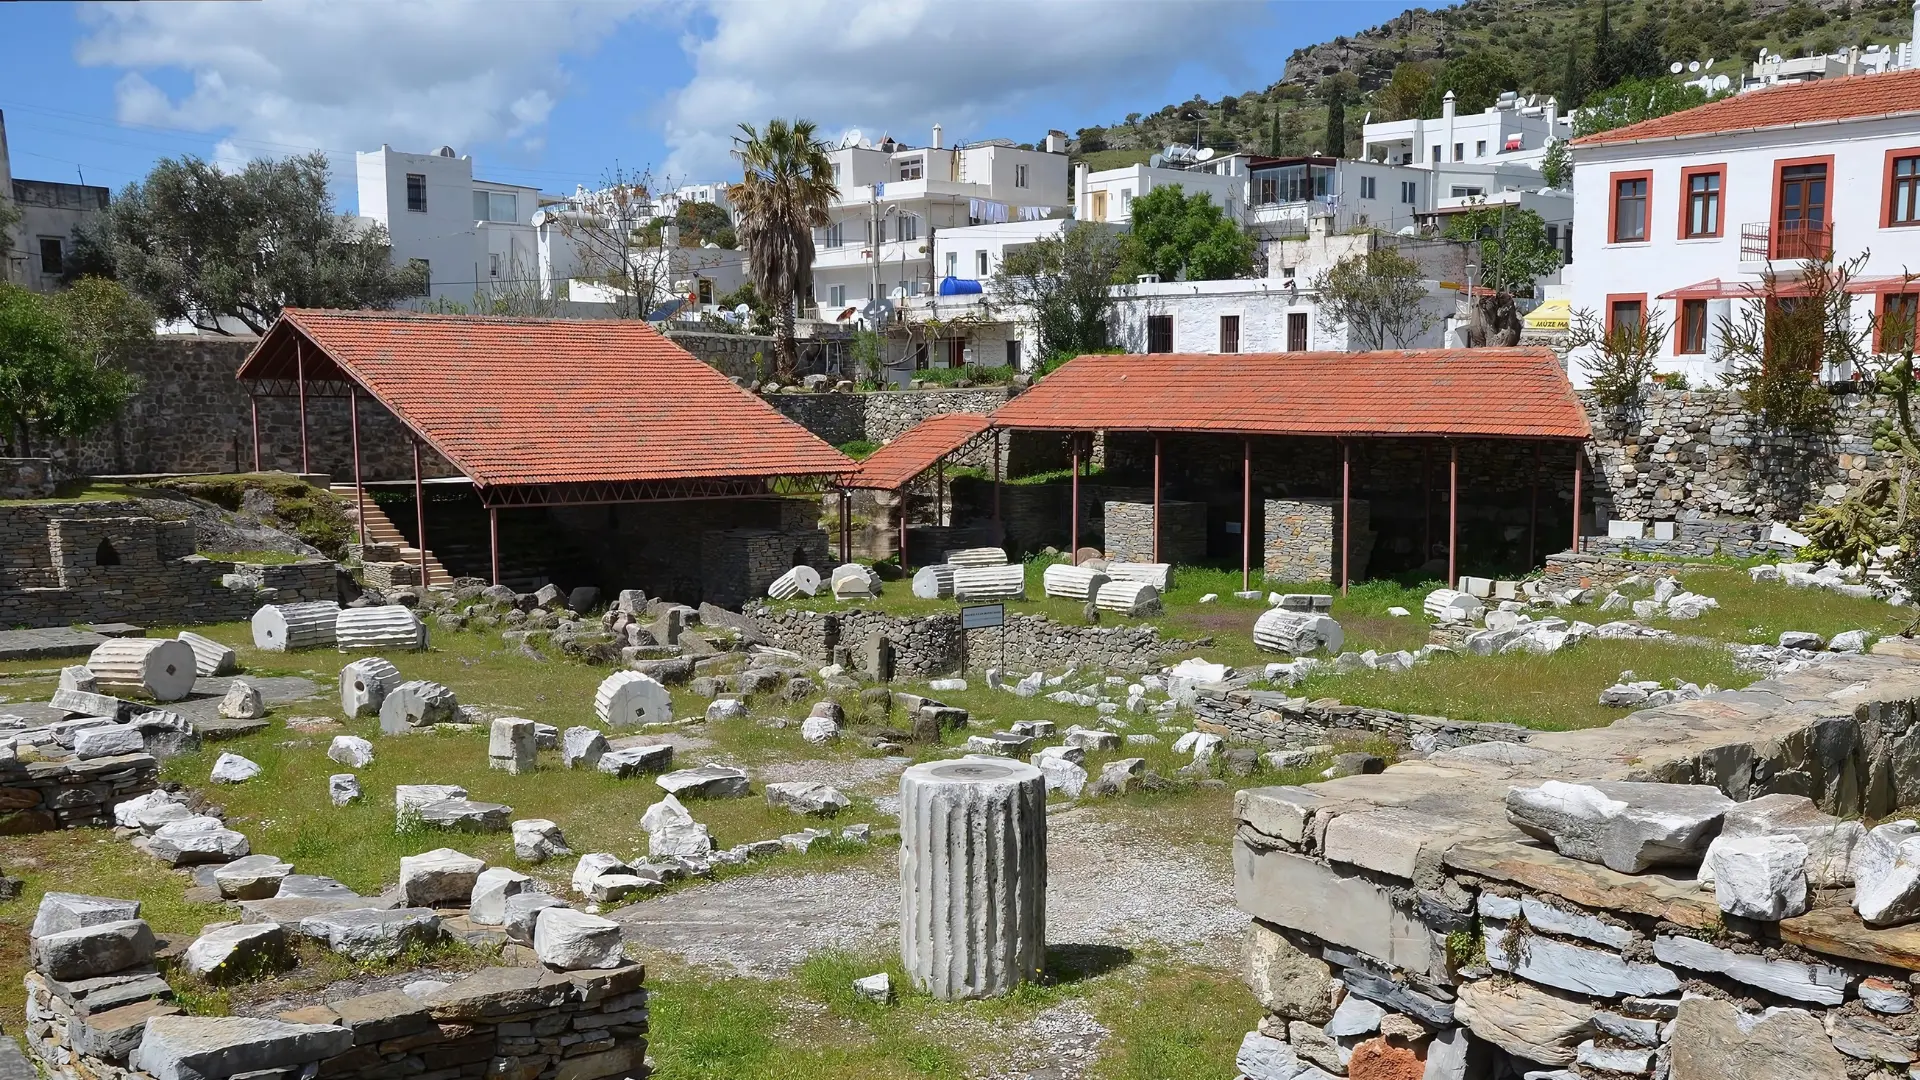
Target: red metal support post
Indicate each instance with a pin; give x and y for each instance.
(846, 527)
(1426, 502)
(493, 540)
(420, 513)
(1579, 454)
(903, 528)
(1073, 513)
(996, 476)
(1453, 516)
(254, 404)
(1156, 498)
(1346, 511)
(300, 372)
(940, 492)
(359, 488)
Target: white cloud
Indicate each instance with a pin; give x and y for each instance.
(347, 74)
(914, 63)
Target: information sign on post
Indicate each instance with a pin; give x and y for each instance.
(981, 617)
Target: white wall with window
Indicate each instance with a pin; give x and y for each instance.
(475, 236)
(1683, 219)
(1108, 195)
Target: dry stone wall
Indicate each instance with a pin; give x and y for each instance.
(1272, 719)
(881, 416)
(1405, 917)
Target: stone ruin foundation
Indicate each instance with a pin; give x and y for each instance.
(1404, 926)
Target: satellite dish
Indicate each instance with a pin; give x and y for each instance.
(1204, 154)
(1695, 66)
(852, 138)
(1709, 66)
(1676, 67)
(1721, 82)
(743, 310)
(1156, 160)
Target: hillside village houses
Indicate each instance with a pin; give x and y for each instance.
(1682, 217)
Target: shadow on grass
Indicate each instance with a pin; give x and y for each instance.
(1069, 964)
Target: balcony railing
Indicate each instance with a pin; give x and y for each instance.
(1764, 242)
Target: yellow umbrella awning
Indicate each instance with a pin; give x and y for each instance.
(1551, 315)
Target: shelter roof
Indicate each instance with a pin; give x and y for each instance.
(918, 449)
(1852, 97)
(513, 401)
(1485, 393)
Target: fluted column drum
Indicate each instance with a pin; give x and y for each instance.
(973, 876)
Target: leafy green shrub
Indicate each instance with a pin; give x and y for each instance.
(973, 373)
(859, 449)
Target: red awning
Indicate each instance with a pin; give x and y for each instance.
(916, 450)
(1721, 289)
(1891, 283)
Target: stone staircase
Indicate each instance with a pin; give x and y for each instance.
(381, 530)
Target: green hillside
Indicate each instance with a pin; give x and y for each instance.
(1400, 68)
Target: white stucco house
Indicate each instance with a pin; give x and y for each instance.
(1515, 130)
(1686, 215)
(475, 237)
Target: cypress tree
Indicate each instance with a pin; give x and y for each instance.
(1336, 120)
(1570, 81)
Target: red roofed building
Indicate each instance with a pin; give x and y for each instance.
(597, 437)
(1682, 217)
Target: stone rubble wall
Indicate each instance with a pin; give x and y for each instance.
(64, 563)
(1460, 947)
(1302, 540)
(881, 416)
(42, 792)
(190, 415)
(741, 356)
(932, 645)
(1695, 538)
(524, 1023)
(1272, 719)
(1683, 455)
(1128, 528)
(28, 478)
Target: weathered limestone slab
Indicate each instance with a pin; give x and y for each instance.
(582, 747)
(417, 704)
(569, 940)
(255, 877)
(512, 745)
(1822, 984)
(63, 911)
(217, 1047)
(240, 951)
(1628, 827)
(1759, 877)
(442, 877)
(194, 840)
(806, 797)
(372, 933)
(1297, 633)
(709, 781)
(1714, 1040)
(1524, 1020)
(1566, 966)
(636, 760)
(1285, 979)
(89, 952)
(1344, 908)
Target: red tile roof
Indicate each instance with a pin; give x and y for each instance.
(548, 401)
(1463, 392)
(1854, 97)
(917, 449)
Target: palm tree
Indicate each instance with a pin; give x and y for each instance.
(780, 199)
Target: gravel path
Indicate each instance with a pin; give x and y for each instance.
(1107, 885)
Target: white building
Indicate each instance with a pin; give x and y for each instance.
(1284, 194)
(1514, 129)
(34, 253)
(895, 199)
(1685, 215)
(475, 237)
(1107, 195)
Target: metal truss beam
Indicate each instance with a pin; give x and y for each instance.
(601, 493)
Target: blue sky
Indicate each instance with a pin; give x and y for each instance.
(559, 92)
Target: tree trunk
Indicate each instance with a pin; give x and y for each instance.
(783, 348)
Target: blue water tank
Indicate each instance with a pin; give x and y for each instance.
(953, 286)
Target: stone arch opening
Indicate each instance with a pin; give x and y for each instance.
(105, 555)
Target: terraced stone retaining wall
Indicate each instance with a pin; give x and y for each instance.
(1403, 927)
(40, 792)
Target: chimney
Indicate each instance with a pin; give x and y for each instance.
(936, 136)
(1446, 103)
(1056, 142)
(1080, 172)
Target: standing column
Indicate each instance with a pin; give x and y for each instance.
(493, 540)
(420, 513)
(1453, 515)
(1246, 515)
(300, 375)
(940, 492)
(846, 536)
(1073, 514)
(973, 876)
(1579, 453)
(1346, 511)
(359, 487)
(1156, 498)
(253, 403)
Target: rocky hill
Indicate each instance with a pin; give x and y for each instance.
(1522, 42)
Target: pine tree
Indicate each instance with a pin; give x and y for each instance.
(1336, 120)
